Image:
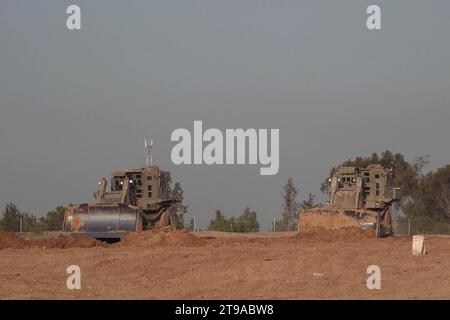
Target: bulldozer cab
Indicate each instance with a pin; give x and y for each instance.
(138, 187)
(360, 188)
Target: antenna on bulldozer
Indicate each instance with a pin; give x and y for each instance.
(148, 150)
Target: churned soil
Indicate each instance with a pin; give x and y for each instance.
(312, 220)
(163, 237)
(215, 265)
(347, 233)
(12, 241)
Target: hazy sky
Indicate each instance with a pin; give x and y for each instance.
(76, 105)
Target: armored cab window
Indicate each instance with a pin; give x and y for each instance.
(136, 178)
(149, 191)
(367, 189)
(161, 183)
(348, 181)
(117, 184)
(149, 178)
(366, 183)
(377, 188)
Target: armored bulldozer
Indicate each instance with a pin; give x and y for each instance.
(360, 197)
(139, 199)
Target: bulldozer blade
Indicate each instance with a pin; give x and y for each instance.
(335, 220)
(102, 221)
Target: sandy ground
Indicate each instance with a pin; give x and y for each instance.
(213, 265)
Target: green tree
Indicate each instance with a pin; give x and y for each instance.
(428, 208)
(279, 226)
(220, 223)
(417, 218)
(309, 203)
(432, 197)
(305, 204)
(30, 223)
(290, 206)
(178, 209)
(55, 219)
(11, 218)
(247, 222)
(440, 191)
(190, 226)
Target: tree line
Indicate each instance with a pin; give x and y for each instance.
(424, 200)
(246, 222)
(14, 220)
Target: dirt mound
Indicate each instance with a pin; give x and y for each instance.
(66, 243)
(10, 240)
(327, 221)
(161, 237)
(320, 233)
(332, 227)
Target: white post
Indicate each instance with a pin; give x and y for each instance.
(274, 224)
(195, 224)
(21, 224)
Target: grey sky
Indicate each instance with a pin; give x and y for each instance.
(75, 105)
